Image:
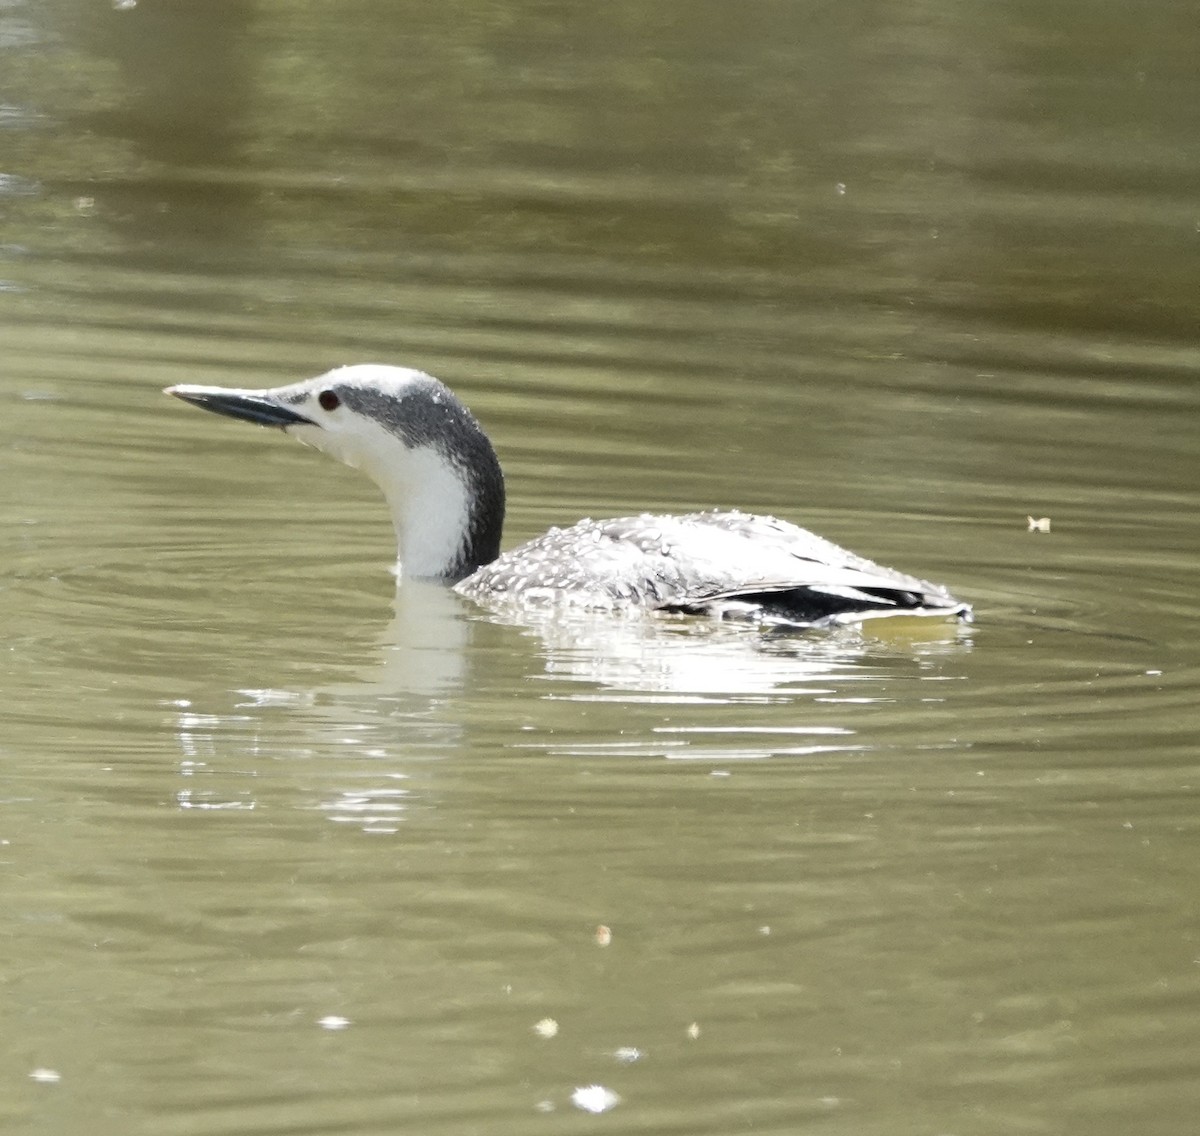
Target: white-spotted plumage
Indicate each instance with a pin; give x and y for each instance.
(442, 480)
(724, 563)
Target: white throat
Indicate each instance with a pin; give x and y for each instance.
(426, 494)
(429, 512)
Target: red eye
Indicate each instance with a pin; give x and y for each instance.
(329, 400)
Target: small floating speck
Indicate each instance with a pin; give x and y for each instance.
(46, 1076)
(334, 1022)
(547, 1027)
(595, 1098)
(628, 1054)
(693, 1031)
(1038, 524)
(603, 935)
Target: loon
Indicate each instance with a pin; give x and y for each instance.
(413, 437)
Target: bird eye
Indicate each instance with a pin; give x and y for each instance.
(329, 400)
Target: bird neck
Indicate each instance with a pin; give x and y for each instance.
(447, 516)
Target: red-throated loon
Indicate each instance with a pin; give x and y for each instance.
(412, 436)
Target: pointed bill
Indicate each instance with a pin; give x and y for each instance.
(259, 406)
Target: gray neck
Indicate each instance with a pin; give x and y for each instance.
(443, 483)
(447, 516)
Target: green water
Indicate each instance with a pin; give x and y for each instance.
(282, 850)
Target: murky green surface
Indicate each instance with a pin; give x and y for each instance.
(283, 852)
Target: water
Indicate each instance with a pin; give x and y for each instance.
(285, 851)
